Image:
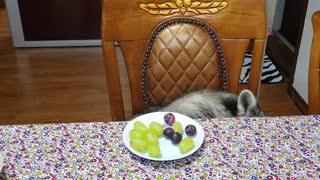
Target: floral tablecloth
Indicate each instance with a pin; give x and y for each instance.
(234, 148)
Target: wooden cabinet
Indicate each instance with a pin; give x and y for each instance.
(1, 3)
(283, 46)
(55, 22)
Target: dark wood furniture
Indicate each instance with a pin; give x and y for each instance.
(60, 20)
(283, 46)
(2, 5)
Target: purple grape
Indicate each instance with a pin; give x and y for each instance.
(191, 130)
(165, 126)
(176, 138)
(169, 118)
(168, 132)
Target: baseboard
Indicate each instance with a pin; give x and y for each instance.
(298, 100)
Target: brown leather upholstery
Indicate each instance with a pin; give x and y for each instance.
(183, 57)
(171, 47)
(314, 67)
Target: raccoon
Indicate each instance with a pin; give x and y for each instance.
(213, 104)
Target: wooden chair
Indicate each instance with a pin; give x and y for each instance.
(173, 46)
(314, 67)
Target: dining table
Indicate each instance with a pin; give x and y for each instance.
(280, 147)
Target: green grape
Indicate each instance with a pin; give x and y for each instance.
(151, 137)
(138, 144)
(136, 134)
(177, 127)
(156, 128)
(153, 150)
(186, 145)
(138, 125)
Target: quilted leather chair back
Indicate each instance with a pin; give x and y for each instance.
(183, 57)
(173, 46)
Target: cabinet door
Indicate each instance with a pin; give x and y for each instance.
(49, 20)
(293, 17)
(283, 46)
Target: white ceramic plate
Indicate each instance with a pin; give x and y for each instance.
(169, 151)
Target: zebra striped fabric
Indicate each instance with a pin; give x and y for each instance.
(270, 73)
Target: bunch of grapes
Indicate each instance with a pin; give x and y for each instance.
(144, 139)
(173, 131)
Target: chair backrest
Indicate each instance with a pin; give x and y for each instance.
(173, 46)
(314, 67)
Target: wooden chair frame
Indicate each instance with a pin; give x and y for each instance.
(314, 67)
(237, 23)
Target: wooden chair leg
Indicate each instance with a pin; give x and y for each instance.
(113, 82)
(256, 66)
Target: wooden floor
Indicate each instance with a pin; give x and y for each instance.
(47, 85)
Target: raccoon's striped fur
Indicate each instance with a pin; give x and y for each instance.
(213, 104)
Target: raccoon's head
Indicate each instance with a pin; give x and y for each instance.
(247, 105)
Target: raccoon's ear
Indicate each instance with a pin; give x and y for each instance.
(246, 99)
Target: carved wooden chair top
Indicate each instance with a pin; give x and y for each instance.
(314, 67)
(174, 46)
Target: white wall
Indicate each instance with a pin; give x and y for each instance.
(270, 11)
(300, 82)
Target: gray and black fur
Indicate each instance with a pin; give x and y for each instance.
(213, 104)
